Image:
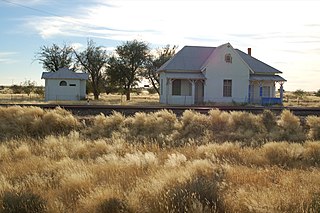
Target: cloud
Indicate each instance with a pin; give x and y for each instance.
(26, 3)
(6, 57)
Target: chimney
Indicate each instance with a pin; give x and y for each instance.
(249, 51)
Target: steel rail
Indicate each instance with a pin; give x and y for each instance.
(86, 110)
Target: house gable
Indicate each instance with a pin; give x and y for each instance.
(226, 64)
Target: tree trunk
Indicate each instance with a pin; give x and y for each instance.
(154, 86)
(96, 95)
(128, 94)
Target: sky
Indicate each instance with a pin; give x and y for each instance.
(284, 34)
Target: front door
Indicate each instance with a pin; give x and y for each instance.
(199, 92)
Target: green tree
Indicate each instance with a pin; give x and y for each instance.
(53, 58)
(299, 93)
(155, 62)
(317, 93)
(128, 62)
(93, 60)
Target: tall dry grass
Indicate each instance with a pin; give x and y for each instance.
(158, 162)
(81, 175)
(17, 122)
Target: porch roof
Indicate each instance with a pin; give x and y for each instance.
(266, 78)
(185, 76)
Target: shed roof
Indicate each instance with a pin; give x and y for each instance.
(193, 58)
(65, 73)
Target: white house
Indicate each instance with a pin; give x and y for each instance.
(218, 74)
(65, 84)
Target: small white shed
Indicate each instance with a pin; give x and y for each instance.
(65, 84)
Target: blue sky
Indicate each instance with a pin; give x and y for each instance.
(283, 34)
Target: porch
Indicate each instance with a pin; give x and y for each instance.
(262, 89)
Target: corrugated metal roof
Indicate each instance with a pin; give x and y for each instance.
(266, 78)
(65, 73)
(185, 75)
(193, 58)
(189, 58)
(256, 65)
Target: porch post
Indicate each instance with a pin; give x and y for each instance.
(193, 91)
(260, 91)
(249, 93)
(281, 92)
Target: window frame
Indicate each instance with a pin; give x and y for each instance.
(176, 87)
(63, 83)
(228, 58)
(227, 88)
(266, 91)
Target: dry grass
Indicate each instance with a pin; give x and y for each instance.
(157, 163)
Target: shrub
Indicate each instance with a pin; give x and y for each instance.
(219, 123)
(193, 125)
(314, 127)
(104, 126)
(289, 128)
(269, 120)
(19, 121)
(246, 127)
(25, 202)
(200, 194)
(156, 127)
(114, 205)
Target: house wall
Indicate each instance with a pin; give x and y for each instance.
(83, 88)
(56, 92)
(163, 88)
(219, 70)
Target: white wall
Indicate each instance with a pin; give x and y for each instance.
(218, 70)
(163, 84)
(56, 92)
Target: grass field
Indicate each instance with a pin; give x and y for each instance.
(144, 98)
(222, 162)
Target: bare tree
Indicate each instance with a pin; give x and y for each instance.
(55, 57)
(93, 60)
(155, 62)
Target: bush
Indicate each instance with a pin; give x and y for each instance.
(314, 127)
(193, 125)
(200, 193)
(19, 121)
(104, 126)
(23, 203)
(156, 127)
(114, 205)
(289, 128)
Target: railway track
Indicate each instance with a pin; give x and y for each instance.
(87, 110)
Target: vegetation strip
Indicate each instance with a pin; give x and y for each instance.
(221, 162)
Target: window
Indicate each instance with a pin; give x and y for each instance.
(227, 88)
(63, 83)
(72, 85)
(228, 58)
(266, 91)
(176, 87)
